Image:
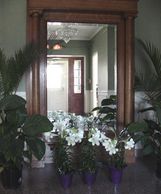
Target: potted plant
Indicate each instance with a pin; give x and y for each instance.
(19, 133)
(19, 138)
(107, 111)
(88, 162)
(148, 80)
(88, 151)
(115, 143)
(148, 133)
(64, 162)
(69, 132)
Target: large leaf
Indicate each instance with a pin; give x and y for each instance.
(37, 124)
(137, 127)
(12, 148)
(37, 147)
(11, 102)
(158, 111)
(148, 149)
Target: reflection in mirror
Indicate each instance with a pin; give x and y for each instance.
(81, 66)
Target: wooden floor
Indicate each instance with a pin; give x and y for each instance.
(138, 178)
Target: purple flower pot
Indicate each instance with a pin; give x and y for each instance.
(89, 177)
(115, 175)
(66, 180)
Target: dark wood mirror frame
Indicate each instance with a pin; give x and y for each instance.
(119, 12)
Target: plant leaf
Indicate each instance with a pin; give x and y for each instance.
(37, 124)
(36, 146)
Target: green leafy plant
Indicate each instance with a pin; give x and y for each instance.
(107, 111)
(63, 157)
(116, 143)
(148, 133)
(148, 74)
(87, 156)
(148, 80)
(13, 68)
(20, 133)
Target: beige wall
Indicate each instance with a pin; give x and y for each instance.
(148, 22)
(12, 25)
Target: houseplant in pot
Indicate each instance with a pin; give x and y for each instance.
(116, 143)
(19, 137)
(64, 163)
(69, 133)
(148, 81)
(88, 164)
(19, 133)
(88, 151)
(148, 133)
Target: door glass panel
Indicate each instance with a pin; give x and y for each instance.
(77, 76)
(57, 84)
(54, 72)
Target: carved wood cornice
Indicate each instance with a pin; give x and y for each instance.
(35, 12)
(99, 6)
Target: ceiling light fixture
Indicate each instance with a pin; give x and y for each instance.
(57, 46)
(66, 32)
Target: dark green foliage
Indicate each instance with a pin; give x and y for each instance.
(117, 160)
(148, 80)
(63, 157)
(12, 69)
(148, 75)
(19, 132)
(149, 135)
(87, 157)
(107, 110)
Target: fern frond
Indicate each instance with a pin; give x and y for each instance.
(12, 69)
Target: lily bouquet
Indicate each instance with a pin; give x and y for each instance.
(70, 131)
(116, 143)
(75, 131)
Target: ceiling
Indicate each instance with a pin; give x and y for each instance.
(85, 31)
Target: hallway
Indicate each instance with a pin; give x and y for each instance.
(138, 178)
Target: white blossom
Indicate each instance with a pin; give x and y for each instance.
(96, 137)
(110, 146)
(71, 140)
(129, 144)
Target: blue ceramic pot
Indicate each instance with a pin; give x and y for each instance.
(66, 180)
(115, 175)
(89, 177)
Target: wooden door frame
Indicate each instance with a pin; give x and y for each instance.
(82, 82)
(119, 12)
(75, 57)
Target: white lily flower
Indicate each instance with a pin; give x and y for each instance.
(71, 140)
(129, 144)
(103, 137)
(95, 138)
(113, 150)
(79, 136)
(110, 146)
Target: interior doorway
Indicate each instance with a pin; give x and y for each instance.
(65, 84)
